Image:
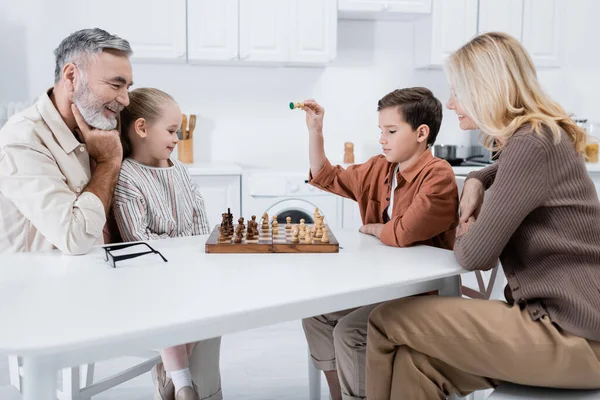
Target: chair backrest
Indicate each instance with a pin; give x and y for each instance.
(460, 182)
(494, 287)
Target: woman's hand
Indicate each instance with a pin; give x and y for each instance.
(463, 227)
(471, 200)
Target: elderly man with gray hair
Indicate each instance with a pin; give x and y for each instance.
(60, 158)
(59, 165)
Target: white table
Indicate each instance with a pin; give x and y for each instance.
(59, 311)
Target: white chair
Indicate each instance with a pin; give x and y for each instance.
(508, 391)
(78, 382)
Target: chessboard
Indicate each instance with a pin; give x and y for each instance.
(271, 237)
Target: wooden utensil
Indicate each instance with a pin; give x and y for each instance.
(184, 126)
(192, 126)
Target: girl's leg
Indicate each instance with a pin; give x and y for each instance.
(176, 363)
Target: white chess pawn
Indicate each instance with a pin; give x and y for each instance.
(325, 238)
(288, 225)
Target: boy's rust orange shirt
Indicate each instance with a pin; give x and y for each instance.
(425, 201)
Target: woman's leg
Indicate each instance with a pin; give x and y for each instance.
(440, 345)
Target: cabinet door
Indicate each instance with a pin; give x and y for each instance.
(264, 33)
(390, 6)
(541, 26)
(452, 23)
(313, 31)
(154, 28)
(351, 215)
(213, 30)
(501, 15)
(220, 193)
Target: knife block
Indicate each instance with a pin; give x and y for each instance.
(185, 151)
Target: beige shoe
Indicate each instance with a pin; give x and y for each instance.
(163, 385)
(187, 393)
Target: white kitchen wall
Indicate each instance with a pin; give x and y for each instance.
(243, 114)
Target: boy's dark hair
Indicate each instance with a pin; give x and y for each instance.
(418, 106)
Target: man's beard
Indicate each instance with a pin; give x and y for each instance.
(92, 108)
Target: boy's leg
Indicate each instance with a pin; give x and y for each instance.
(204, 366)
(319, 335)
(350, 341)
(428, 347)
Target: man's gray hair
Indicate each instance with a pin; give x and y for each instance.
(80, 45)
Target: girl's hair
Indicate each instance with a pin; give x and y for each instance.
(146, 103)
(493, 79)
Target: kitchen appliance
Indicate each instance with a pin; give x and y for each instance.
(287, 194)
(450, 153)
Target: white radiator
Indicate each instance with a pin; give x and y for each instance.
(8, 109)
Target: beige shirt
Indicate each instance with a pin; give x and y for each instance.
(43, 174)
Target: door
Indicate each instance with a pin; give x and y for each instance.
(541, 26)
(501, 15)
(213, 30)
(313, 31)
(264, 30)
(155, 28)
(452, 23)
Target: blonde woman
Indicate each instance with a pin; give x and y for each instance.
(541, 218)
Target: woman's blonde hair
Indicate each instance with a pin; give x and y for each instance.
(493, 79)
(147, 103)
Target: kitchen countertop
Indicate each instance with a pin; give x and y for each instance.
(463, 171)
(223, 168)
(216, 168)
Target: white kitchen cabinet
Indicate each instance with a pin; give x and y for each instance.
(501, 16)
(156, 29)
(220, 192)
(251, 32)
(213, 30)
(313, 31)
(451, 24)
(383, 9)
(533, 22)
(264, 32)
(541, 31)
(350, 215)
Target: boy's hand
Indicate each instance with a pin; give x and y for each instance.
(372, 229)
(314, 116)
(463, 227)
(471, 200)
